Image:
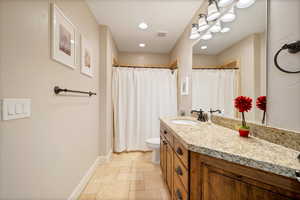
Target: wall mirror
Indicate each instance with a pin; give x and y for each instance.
(229, 60)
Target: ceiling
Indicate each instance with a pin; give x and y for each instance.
(248, 21)
(123, 17)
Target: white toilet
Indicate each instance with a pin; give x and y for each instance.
(154, 144)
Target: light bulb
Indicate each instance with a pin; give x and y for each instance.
(229, 16)
(225, 30)
(244, 3)
(202, 23)
(212, 11)
(143, 26)
(216, 28)
(224, 3)
(206, 36)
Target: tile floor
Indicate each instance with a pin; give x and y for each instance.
(127, 176)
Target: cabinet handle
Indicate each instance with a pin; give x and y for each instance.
(179, 171)
(179, 195)
(179, 151)
(165, 132)
(297, 173)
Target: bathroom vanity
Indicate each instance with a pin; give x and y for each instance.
(204, 161)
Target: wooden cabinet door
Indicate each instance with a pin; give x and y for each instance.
(216, 186)
(163, 148)
(251, 192)
(169, 167)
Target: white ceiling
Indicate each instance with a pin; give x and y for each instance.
(123, 17)
(250, 20)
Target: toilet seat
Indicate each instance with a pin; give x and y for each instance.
(153, 143)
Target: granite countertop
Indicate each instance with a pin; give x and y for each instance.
(220, 142)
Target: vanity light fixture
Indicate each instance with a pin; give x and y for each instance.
(216, 28)
(143, 25)
(229, 16)
(202, 23)
(224, 3)
(194, 32)
(225, 30)
(213, 11)
(203, 47)
(207, 36)
(142, 45)
(244, 3)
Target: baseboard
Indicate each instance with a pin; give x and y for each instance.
(85, 179)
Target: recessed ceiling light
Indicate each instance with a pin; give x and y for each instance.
(203, 47)
(225, 30)
(142, 44)
(143, 26)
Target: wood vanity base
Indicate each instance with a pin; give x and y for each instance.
(193, 176)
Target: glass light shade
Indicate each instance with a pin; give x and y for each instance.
(212, 11)
(216, 28)
(194, 32)
(229, 16)
(244, 3)
(194, 36)
(202, 23)
(206, 36)
(224, 3)
(225, 30)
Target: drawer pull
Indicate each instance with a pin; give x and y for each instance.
(179, 171)
(297, 173)
(179, 195)
(179, 151)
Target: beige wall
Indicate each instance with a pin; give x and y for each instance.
(45, 156)
(283, 89)
(108, 51)
(204, 60)
(143, 58)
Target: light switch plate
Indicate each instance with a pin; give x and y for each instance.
(15, 108)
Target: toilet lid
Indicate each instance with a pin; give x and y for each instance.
(153, 141)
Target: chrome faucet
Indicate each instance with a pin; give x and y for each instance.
(201, 115)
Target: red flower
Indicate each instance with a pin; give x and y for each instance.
(243, 104)
(261, 103)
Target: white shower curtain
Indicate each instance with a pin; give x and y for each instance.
(214, 89)
(140, 97)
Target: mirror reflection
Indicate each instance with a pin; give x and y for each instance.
(229, 60)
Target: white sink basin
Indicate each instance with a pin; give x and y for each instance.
(184, 122)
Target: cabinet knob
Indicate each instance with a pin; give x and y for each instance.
(179, 195)
(179, 171)
(297, 173)
(165, 132)
(179, 151)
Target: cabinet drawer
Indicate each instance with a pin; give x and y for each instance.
(167, 134)
(179, 192)
(181, 152)
(181, 172)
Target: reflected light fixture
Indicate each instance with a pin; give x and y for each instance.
(194, 32)
(225, 30)
(202, 23)
(143, 25)
(207, 36)
(244, 3)
(213, 11)
(224, 3)
(229, 16)
(142, 45)
(216, 28)
(203, 47)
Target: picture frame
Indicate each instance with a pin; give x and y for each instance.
(86, 57)
(63, 38)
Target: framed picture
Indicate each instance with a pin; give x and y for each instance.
(86, 57)
(63, 38)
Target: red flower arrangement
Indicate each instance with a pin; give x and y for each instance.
(261, 103)
(243, 104)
